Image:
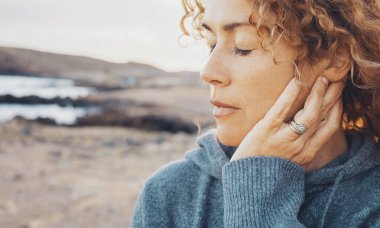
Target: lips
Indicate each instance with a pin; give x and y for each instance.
(222, 105)
(222, 109)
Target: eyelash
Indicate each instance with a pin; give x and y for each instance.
(236, 50)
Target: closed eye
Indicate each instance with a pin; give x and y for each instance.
(237, 51)
(242, 52)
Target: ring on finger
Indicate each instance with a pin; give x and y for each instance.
(298, 128)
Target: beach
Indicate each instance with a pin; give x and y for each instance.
(54, 176)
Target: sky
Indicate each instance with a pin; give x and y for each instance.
(144, 31)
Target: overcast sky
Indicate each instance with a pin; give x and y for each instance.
(116, 30)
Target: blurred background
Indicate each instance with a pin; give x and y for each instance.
(95, 95)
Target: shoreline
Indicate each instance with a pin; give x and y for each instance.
(57, 176)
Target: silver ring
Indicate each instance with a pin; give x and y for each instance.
(298, 128)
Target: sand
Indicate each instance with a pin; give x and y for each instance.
(54, 176)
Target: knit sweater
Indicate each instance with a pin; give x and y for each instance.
(206, 189)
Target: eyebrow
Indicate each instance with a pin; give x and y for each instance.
(228, 27)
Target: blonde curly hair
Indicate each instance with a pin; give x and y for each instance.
(322, 28)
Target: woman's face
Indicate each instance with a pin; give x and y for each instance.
(249, 80)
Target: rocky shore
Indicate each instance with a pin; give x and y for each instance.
(130, 95)
(55, 176)
(89, 174)
(113, 113)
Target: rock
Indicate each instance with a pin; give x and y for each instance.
(131, 142)
(84, 156)
(47, 121)
(17, 177)
(114, 117)
(26, 131)
(159, 140)
(109, 144)
(55, 153)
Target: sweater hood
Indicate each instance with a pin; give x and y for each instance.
(209, 155)
(362, 154)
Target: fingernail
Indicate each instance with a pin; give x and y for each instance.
(325, 80)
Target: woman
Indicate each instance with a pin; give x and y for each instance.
(296, 88)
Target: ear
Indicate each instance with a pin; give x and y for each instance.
(338, 67)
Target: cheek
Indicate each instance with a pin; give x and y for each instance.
(261, 83)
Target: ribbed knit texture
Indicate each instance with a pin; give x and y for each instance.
(251, 190)
(205, 189)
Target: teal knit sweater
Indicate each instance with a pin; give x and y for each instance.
(205, 189)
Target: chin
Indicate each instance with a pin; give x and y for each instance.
(229, 136)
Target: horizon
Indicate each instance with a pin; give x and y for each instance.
(95, 58)
(115, 31)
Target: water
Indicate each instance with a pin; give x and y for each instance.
(48, 88)
(62, 115)
(20, 86)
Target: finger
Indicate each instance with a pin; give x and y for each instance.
(278, 112)
(310, 115)
(333, 93)
(324, 132)
(328, 127)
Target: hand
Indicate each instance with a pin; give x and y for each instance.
(321, 114)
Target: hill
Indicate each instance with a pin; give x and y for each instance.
(19, 61)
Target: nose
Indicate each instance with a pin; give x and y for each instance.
(215, 71)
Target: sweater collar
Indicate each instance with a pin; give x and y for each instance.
(362, 154)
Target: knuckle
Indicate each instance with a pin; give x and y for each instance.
(270, 122)
(320, 91)
(312, 118)
(282, 111)
(264, 126)
(291, 139)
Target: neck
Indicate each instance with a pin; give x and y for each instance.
(335, 146)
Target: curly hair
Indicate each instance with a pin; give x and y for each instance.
(323, 28)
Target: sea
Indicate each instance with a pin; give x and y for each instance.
(43, 87)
